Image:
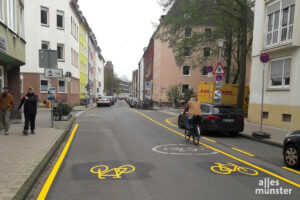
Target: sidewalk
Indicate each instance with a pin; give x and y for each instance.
(277, 134)
(84, 108)
(21, 155)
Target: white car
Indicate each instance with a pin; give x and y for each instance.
(103, 101)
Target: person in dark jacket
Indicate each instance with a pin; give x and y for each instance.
(30, 109)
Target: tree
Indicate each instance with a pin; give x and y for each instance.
(174, 95)
(110, 81)
(187, 95)
(231, 20)
(118, 91)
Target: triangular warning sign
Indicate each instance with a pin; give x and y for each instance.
(220, 69)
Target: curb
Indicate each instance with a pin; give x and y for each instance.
(276, 144)
(86, 109)
(29, 183)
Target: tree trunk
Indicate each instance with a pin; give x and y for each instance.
(243, 58)
(229, 52)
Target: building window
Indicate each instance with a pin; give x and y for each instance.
(60, 20)
(11, 14)
(280, 22)
(44, 85)
(186, 70)
(204, 71)
(206, 52)
(184, 88)
(22, 32)
(45, 16)
(280, 73)
(2, 10)
(286, 117)
(265, 115)
(61, 52)
(187, 51)
(208, 34)
(21, 83)
(45, 45)
(61, 86)
(188, 32)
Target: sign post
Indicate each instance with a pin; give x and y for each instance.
(264, 59)
(219, 71)
(48, 60)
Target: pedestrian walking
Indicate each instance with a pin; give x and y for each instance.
(6, 104)
(30, 109)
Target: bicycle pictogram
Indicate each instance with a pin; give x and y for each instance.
(229, 168)
(103, 171)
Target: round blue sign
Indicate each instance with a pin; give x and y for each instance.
(210, 69)
(219, 78)
(264, 58)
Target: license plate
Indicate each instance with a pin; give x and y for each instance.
(228, 120)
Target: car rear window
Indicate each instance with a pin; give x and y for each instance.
(225, 109)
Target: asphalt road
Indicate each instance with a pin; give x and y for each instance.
(123, 154)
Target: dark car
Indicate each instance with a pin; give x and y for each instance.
(218, 118)
(291, 149)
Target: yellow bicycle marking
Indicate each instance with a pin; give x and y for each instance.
(104, 171)
(228, 168)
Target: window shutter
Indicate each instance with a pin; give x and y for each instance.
(276, 70)
(287, 3)
(274, 8)
(287, 68)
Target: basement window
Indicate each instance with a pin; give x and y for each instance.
(265, 115)
(286, 117)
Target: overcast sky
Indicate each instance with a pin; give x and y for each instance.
(123, 28)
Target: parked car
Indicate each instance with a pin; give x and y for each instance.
(131, 102)
(218, 118)
(291, 149)
(147, 104)
(103, 101)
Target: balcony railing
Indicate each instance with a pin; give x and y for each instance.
(279, 36)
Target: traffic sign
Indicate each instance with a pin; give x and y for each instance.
(218, 84)
(53, 73)
(210, 69)
(220, 69)
(264, 58)
(51, 94)
(219, 77)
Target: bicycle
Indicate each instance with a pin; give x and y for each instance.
(195, 130)
(228, 168)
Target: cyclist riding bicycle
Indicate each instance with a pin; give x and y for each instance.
(192, 110)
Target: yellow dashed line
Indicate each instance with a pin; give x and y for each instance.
(292, 170)
(244, 152)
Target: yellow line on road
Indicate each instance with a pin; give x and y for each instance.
(55, 169)
(244, 152)
(226, 154)
(292, 170)
(170, 123)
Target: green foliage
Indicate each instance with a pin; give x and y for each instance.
(174, 95)
(65, 109)
(110, 81)
(187, 95)
(118, 91)
(231, 20)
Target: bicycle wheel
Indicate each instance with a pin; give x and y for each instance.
(220, 170)
(247, 171)
(187, 137)
(196, 135)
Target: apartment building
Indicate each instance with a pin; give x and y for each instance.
(141, 83)
(12, 47)
(276, 32)
(52, 25)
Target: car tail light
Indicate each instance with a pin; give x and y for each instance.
(212, 117)
(240, 119)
